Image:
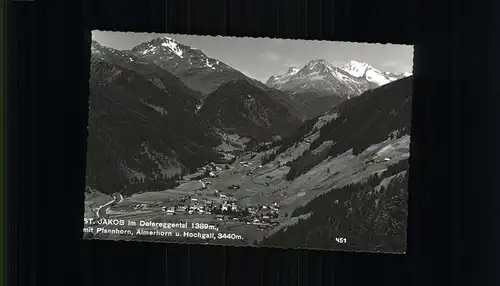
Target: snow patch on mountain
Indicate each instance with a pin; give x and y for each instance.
(209, 65)
(173, 46)
(377, 77)
(167, 45)
(355, 68)
(281, 79)
(150, 50)
(368, 72)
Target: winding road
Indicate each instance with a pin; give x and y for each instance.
(101, 210)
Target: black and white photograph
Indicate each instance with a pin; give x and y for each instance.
(254, 142)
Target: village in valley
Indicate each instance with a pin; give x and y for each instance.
(213, 204)
(247, 195)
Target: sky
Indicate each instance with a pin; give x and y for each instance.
(261, 58)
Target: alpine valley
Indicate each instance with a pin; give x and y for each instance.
(312, 155)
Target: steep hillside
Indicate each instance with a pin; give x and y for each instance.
(363, 215)
(141, 135)
(360, 153)
(361, 122)
(243, 108)
(315, 103)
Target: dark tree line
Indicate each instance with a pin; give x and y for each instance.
(370, 215)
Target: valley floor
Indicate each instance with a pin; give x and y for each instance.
(241, 203)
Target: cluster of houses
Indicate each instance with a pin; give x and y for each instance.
(227, 209)
(192, 205)
(223, 207)
(263, 215)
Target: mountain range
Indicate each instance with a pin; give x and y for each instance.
(163, 108)
(146, 124)
(319, 85)
(328, 143)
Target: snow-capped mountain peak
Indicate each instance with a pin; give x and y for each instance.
(174, 55)
(364, 70)
(173, 46)
(162, 46)
(191, 65)
(321, 79)
(318, 64)
(353, 72)
(280, 79)
(355, 68)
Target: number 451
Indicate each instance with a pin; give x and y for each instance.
(340, 239)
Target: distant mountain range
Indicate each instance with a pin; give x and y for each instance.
(319, 85)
